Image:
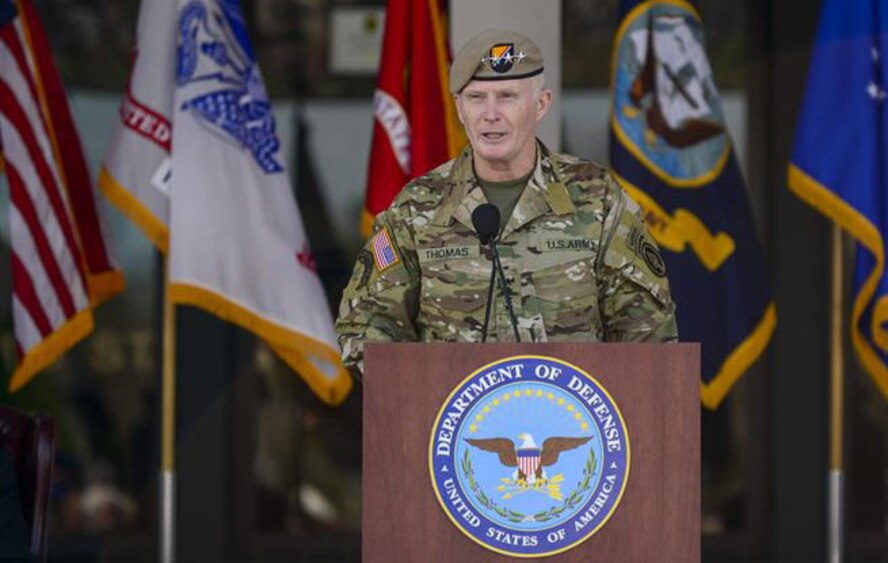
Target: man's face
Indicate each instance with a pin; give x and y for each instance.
(500, 118)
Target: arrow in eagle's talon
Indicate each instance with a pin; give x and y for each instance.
(516, 493)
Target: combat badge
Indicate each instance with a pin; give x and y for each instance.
(554, 487)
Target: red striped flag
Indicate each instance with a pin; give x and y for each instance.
(61, 263)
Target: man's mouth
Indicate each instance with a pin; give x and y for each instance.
(492, 136)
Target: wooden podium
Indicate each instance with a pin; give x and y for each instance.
(656, 388)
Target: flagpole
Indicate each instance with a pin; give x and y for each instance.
(836, 471)
(168, 425)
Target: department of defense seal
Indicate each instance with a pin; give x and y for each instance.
(529, 456)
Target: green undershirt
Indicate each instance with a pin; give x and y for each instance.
(504, 195)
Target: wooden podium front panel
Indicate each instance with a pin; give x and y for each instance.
(656, 387)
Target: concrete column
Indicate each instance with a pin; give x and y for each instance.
(541, 21)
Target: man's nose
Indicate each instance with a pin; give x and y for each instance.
(490, 112)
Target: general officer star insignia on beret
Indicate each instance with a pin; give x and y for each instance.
(502, 57)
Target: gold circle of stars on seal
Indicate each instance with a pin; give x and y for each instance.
(532, 394)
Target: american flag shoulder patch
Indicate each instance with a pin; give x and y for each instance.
(383, 252)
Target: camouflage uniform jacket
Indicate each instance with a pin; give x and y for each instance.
(578, 259)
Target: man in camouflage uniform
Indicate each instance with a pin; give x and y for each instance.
(579, 262)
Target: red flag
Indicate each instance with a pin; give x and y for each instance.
(415, 127)
(61, 264)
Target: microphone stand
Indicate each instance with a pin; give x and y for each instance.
(490, 287)
(497, 268)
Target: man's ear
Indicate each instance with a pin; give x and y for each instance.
(543, 103)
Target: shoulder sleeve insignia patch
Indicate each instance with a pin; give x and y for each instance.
(365, 258)
(648, 252)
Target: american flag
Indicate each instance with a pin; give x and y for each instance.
(61, 263)
(383, 252)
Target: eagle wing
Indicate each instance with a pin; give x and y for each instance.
(553, 447)
(503, 447)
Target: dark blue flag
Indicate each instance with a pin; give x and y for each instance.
(671, 151)
(839, 159)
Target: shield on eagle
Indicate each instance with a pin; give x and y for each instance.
(529, 460)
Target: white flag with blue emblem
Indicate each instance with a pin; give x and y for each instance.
(236, 242)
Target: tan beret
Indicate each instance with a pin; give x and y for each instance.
(495, 54)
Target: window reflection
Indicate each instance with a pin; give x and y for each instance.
(867, 463)
(102, 395)
(307, 461)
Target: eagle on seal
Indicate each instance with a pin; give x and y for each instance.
(529, 458)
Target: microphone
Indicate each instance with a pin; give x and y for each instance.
(486, 220)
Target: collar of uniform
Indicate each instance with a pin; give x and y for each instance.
(462, 178)
(545, 192)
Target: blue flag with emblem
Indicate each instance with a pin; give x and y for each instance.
(671, 151)
(840, 158)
